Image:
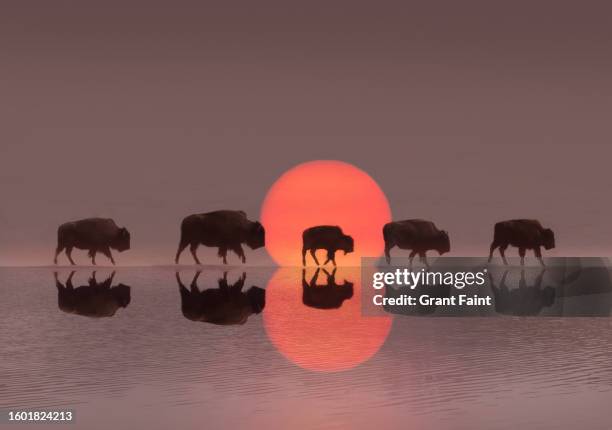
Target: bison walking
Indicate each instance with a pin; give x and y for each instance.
(523, 234)
(417, 235)
(330, 238)
(225, 229)
(93, 234)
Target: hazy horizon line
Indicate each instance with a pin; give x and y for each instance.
(269, 266)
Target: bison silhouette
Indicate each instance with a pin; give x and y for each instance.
(94, 235)
(331, 295)
(330, 238)
(525, 300)
(417, 235)
(225, 229)
(523, 234)
(95, 300)
(225, 305)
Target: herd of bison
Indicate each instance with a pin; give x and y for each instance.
(228, 230)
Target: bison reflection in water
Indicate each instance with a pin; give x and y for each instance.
(225, 305)
(328, 296)
(97, 299)
(522, 301)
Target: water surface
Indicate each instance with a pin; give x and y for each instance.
(166, 360)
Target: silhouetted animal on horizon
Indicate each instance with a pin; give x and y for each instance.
(328, 296)
(524, 300)
(417, 235)
(523, 234)
(330, 238)
(93, 234)
(96, 300)
(225, 229)
(226, 305)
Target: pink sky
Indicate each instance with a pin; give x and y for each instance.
(464, 114)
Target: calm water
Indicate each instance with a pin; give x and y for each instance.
(267, 360)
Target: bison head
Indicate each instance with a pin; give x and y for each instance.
(548, 238)
(346, 290)
(257, 298)
(443, 245)
(256, 237)
(346, 244)
(121, 293)
(122, 240)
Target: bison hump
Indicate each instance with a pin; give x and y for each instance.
(319, 229)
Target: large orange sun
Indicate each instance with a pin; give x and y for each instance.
(324, 193)
(322, 340)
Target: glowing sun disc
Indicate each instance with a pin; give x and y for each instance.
(321, 340)
(324, 192)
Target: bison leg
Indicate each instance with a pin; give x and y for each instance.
(388, 253)
(423, 258)
(59, 249)
(223, 254)
(223, 285)
(239, 252)
(237, 287)
(69, 255)
(194, 282)
(538, 253)
(411, 257)
(108, 283)
(93, 281)
(494, 245)
(92, 255)
(315, 277)
(304, 257)
(180, 282)
(502, 252)
(314, 256)
(522, 255)
(181, 248)
(539, 278)
(109, 255)
(331, 256)
(69, 284)
(58, 284)
(193, 248)
(522, 281)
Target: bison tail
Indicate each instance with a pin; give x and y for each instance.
(63, 234)
(498, 231)
(186, 231)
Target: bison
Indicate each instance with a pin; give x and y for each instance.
(330, 238)
(96, 300)
(93, 234)
(417, 235)
(328, 296)
(225, 229)
(226, 305)
(526, 300)
(524, 234)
